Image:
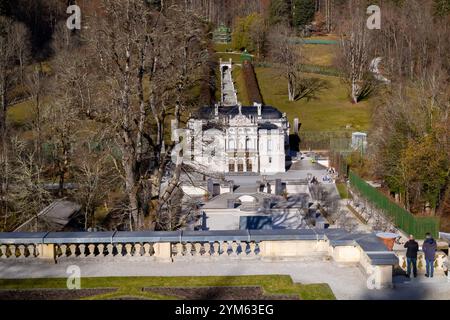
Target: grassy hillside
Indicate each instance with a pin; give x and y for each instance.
(330, 111)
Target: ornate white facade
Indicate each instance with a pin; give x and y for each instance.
(239, 139)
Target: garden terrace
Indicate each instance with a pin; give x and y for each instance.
(160, 246)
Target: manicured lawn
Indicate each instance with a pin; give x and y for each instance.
(132, 286)
(222, 47)
(321, 55)
(330, 111)
(235, 57)
(238, 78)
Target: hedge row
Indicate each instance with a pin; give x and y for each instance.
(251, 83)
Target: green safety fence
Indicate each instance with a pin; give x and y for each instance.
(313, 41)
(402, 218)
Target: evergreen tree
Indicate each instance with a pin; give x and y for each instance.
(303, 12)
(442, 7)
(280, 12)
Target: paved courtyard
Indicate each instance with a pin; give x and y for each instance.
(346, 281)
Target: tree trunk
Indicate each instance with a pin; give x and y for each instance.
(131, 191)
(290, 87)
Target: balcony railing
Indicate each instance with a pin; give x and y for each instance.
(169, 246)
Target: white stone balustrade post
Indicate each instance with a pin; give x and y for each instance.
(179, 247)
(137, 249)
(207, 247)
(3, 250)
(31, 251)
(21, 251)
(109, 250)
(225, 247)
(198, 248)
(119, 248)
(91, 249)
(128, 248)
(252, 246)
(63, 248)
(82, 248)
(188, 249)
(147, 249)
(234, 248)
(73, 250)
(101, 250)
(216, 248)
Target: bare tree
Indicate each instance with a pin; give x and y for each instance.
(354, 55)
(145, 63)
(13, 47)
(287, 55)
(94, 176)
(36, 87)
(25, 196)
(11, 43)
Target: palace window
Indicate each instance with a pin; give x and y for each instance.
(231, 167)
(249, 165)
(240, 166)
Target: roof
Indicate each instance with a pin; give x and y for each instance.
(267, 112)
(53, 217)
(221, 201)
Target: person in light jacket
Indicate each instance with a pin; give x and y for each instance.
(429, 248)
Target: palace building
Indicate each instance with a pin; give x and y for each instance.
(238, 139)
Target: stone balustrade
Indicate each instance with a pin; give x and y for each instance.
(440, 261)
(365, 249)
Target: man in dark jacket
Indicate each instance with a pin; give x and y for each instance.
(411, 255)
(429, 248)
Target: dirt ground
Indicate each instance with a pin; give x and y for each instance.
(220, 293)
(51, 294)
(199, 293)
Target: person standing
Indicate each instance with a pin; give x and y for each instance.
(429, 248)
(412, 247)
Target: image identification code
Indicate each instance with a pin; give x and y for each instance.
(224, 309)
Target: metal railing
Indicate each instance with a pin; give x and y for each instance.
(403, 219)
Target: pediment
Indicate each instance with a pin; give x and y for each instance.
(240, 120)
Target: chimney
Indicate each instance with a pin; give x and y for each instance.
(259, 108)
(216, 110)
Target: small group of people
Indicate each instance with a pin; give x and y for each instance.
(429, 248)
